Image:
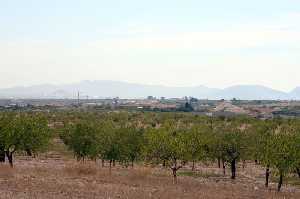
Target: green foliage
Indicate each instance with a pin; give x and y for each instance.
(165, 146)
(23, 132)
(130, 144)
(171, 139)
(82, 140)
(109, 138)
(196, 141)
(275, 144)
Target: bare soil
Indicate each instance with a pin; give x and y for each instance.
(53, 176)
(57, 175)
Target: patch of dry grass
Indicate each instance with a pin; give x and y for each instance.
(6, 171)
(54, 178)
(76, 169)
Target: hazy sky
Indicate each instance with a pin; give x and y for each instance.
(169, 42)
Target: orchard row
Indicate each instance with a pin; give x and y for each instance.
(168, 139)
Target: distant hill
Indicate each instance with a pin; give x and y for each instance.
(295, 94)
(252, 92)
(104, 89)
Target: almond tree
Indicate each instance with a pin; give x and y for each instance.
(283, 151)
(82, 139)
(296, 143)
(25, 132)
(261, 144)
(297, 153)
(276, 147)
(232, 149)
(196, 142)
(4, 121)
(167, 146)
(130, 143)
(229, 144)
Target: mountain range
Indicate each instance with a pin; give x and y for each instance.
(109, 89)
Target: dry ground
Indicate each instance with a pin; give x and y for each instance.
(54, 177)
(57, 175)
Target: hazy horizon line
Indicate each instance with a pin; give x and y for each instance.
(146, 84)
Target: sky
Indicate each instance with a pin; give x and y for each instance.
(166, 42)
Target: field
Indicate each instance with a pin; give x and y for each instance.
(57, 175)
(147, 155)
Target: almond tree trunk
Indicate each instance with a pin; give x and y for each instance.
(280, 181)
(193, 166)
(164, 163)
(224, 167)
(298, 171)
(174, 169)
(233, 169)
(267, 175)
(28, 152)
(2, 155)
(9, 156)
(110, 164)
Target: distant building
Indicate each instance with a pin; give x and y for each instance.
(151, 98)
(227, 109)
